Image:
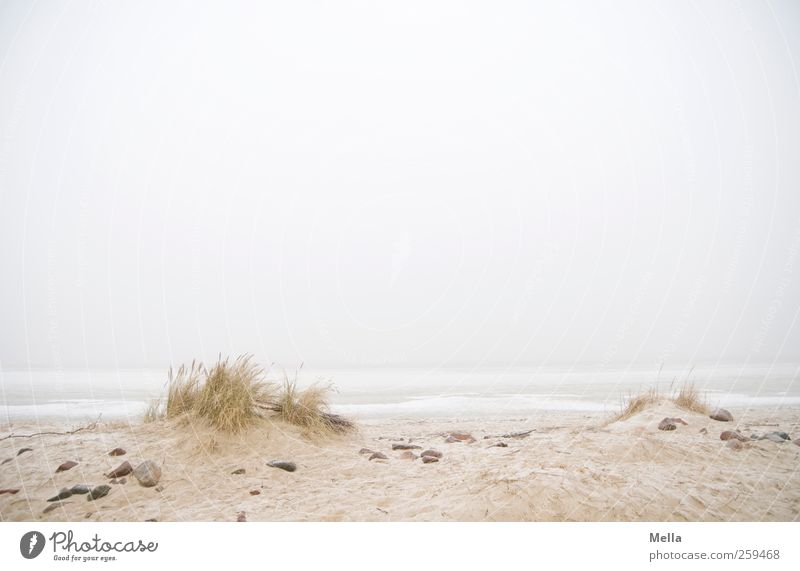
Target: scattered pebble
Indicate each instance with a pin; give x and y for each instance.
(667, 424)
(722, 415)
(408, 455)
(378, 456)
(148, 473)
(123, 481)
(238, 472)
(730, 434)
(117, 452)
(775, 436)
(366, 451)
(51, 507)
(241, 516)
(24, 450)
(288, 466)
(703, 431)
(62, 495)
(255, 492)
(80, 489)
(460, 437)
(430, 452)
(499, 445)
(11, 491)
(406, 447)
(68, 465)
(151, 519)
(159, 489)
(122, 470)
(99, 492)
(429, 459)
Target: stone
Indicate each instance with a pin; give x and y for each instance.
(366, 451)
(703, 431)
(241, 516)
(255, 492)
(408, 455)
(666, 424)
(117, 452)
(238, 472)
(68, 465)
(122, 470)
(11, 491)
(429, 459)
(148, 473)
(433, 453)
(406, 447)
(730, 434)
(775, 436)
(282, 465)
(50, 508)
(721, 415)
(151, 519)
(451, 440)
(80, 489)
(62, 495)
(378, 456)
(498, 445)
(462, 437)
(98, 492)
(24, 450)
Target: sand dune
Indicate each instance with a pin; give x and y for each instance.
(571, 467)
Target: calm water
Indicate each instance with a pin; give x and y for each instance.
(376, 393)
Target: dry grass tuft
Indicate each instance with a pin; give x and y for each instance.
(635, 404)
(154, 412)
(182, 389)
(688, 398)
(308, 408)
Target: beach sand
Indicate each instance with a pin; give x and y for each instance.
(571, 467)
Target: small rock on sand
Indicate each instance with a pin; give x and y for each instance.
(241, 516)
(704, 431)
(433, 453)
(288, 466)
(238, 471)
(99, 492)
(117, 452)
(460, 437)
(148, 473)
(406, 447)
(732, 435)
(366, 451)
(11, 491)
(378, 456)
(498, 445)
(68, 465)
(721, 415)
(255, 492)
(775, 436)
(667, 424)
(408, 455)
(62, 495)
(50, 508)
(80, 489)
(429, 459)
(24, 450)
(122, 470)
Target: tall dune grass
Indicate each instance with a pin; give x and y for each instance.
(687, 398)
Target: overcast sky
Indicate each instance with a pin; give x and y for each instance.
(399, 183)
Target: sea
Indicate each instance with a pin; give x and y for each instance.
(379, 393)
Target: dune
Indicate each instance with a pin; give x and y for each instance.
(561, 467)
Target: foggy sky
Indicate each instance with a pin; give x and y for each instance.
(399, 183)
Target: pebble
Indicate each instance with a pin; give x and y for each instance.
(378, 456)
(117, 452)
(80, 489)
(730, 434)
(255, 492)
(722, 415)
(288, 466)
(408, 455)
(703, 431)
(238, 472)
(24, 450)
(429, 459)
(406, 447)
(498, 445)
(151, 519)
(50, 508)
(62, 495)
(99, 492)
(667, 424)
(366, 451)
(775, 436)
(122, 470)
(148, 473)
(11, 491)
(433, 453)
(241, 516)
(462, 437)
(68, 465)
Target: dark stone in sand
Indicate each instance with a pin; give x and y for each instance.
(117, 452)
(408, 455)
(24, 450)
(68, 465)
(378, 456)
(122, 470)
(11, 491)
(732, 435)
(62, 495)
(80, 489)
(667, 424)
(151, 519)
(99, 492)
(775, 436)
(366, 451)
(721, 414)
(238, 472)
(159, 489)
(703, 431)
(429, 459)
(241, 516)
(288, 466)
(255, 492)
(499, 445)
(50, 508)
(433, 453)
(406, 447)
(147, 473)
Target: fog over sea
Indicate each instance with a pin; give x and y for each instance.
(372, 393)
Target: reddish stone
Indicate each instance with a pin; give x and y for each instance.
(68, 465)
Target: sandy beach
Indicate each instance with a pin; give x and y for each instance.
(566, 467)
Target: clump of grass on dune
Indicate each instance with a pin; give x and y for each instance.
(688, 398)
(182, 389)
(154, 411)
(308, 408)
(635, 404)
